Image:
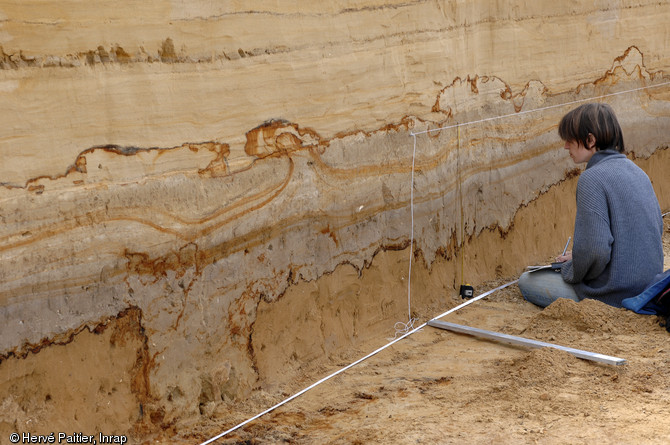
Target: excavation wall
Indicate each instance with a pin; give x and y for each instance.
(219, 193)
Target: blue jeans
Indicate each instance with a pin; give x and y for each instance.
(544, 287)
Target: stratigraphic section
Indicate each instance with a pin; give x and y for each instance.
(194, 161)
(196, 243)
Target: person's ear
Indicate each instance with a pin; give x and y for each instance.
(590, 141)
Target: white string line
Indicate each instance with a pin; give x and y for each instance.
(541, 109)
(411, 236)
(485, 294)
(400, 327)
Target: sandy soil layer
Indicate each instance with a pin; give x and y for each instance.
(439, 387)
(90, 383)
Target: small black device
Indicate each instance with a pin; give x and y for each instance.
(466, 291)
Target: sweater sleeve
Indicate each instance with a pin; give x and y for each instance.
(592, 245)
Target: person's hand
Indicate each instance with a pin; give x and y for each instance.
(564, 258)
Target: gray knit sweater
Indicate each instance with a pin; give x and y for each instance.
(617, 247)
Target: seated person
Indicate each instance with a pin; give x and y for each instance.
(617, 247)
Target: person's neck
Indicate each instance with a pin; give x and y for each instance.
(599, 155)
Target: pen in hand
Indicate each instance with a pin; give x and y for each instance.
(565, 249)
(563, 258)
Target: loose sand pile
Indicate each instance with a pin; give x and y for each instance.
(439, 387)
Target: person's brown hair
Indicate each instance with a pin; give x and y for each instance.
(596, 119)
